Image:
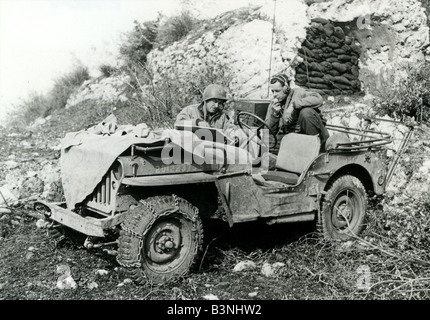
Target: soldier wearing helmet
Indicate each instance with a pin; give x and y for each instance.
(295, 110)
(209, 113)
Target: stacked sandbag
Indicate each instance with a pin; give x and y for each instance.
(330, 56)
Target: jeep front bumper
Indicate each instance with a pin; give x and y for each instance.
(87, 225)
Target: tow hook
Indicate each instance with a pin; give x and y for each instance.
(43, 209)
(89, 243)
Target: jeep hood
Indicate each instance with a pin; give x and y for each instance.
(86, 156)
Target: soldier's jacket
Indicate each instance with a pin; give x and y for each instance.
(298, 98)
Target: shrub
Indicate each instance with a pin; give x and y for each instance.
(64, 86)
(145, 36)
(139, 42)
(410, 98)
(175, 28)
(157, 102)
(37, 105)
(107, 70)
(31, 108)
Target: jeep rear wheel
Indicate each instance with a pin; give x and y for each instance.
(160, 239)
(343, 209)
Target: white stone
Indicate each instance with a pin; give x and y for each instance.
(354, 122)
(210, 296)
(278, 265)
(92, 285)
(39, 121)
(11, 164)
(31, 173)
(267, 270)
(102, 272)
(5, 211)
(7, 195)
(41, 223)
(244, 265)
(65, 281)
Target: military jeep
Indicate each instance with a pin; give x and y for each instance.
(153, 211)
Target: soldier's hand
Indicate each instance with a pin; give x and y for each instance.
(276, 106)
(202, 123)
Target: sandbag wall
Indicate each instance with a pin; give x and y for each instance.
(330, 59)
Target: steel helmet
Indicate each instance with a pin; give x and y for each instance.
(214, 91)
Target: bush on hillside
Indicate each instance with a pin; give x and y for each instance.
(147, 35)
(64, 86)
(175, 28)
(107, 70)
(37, 105)
(31, 108)
(157, 102)
(139, 42)
(409, 98)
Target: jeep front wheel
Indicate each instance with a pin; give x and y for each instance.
(160, 239)
(343, 209)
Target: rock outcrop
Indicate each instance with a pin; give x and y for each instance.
(334, 46)
(363, 44)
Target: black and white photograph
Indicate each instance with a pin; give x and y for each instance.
(215, 157)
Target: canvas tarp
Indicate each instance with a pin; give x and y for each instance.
(87, 155)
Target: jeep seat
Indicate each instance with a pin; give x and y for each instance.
(296, 152)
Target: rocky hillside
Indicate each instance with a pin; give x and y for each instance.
(336, 47)
(384, 36)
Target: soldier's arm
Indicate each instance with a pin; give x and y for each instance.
(184, 117)
(307, 99)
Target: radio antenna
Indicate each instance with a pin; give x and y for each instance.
(271, 49)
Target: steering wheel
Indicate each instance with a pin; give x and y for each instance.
(259, 124)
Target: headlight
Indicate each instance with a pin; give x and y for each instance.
(117, 170)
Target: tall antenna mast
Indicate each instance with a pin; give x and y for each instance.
(271, 49)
